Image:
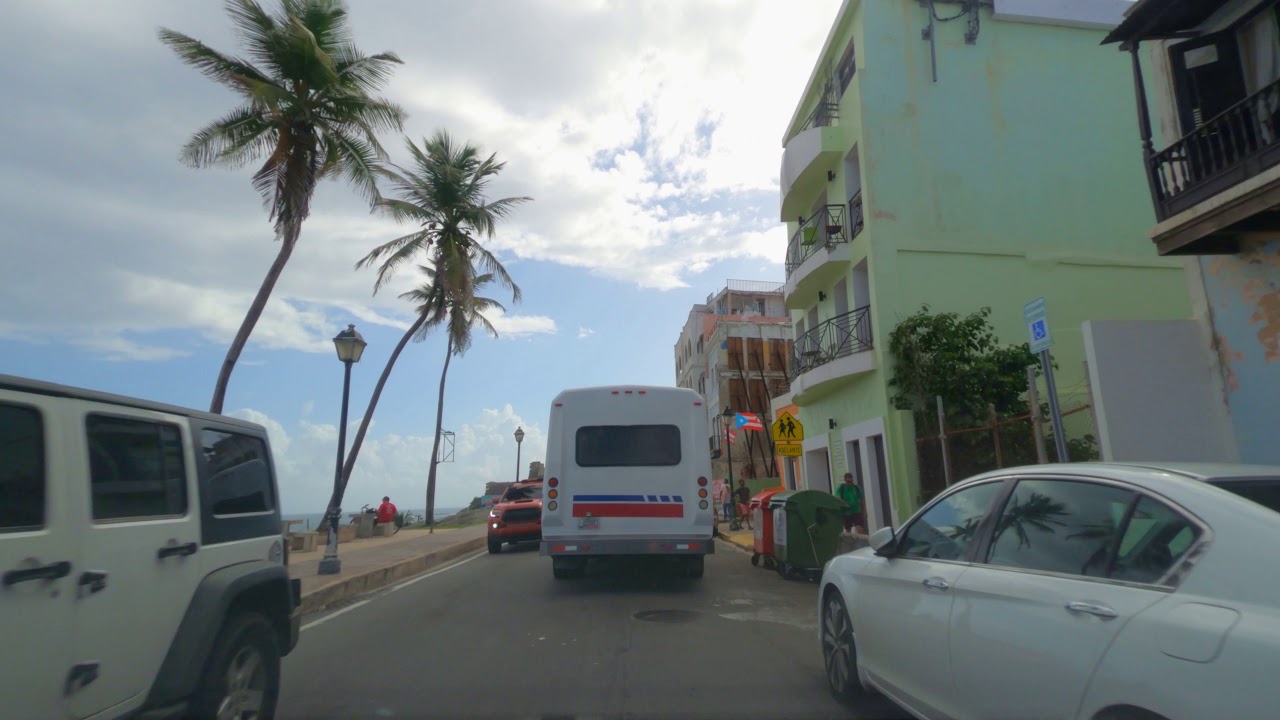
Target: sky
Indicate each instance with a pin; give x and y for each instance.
(647, 133)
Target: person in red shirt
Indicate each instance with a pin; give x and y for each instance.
(386, 511)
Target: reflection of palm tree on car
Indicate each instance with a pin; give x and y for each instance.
(1038, 511)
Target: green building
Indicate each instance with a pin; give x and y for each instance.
(958, 155)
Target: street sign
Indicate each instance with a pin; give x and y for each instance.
(787, 429)
(1037, 319)
(789, 449)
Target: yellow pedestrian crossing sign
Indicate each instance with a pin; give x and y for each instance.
(787, 429)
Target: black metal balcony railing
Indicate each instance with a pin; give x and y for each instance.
(824, 114)
(838, 337)
(825, 227)
(1226, 150)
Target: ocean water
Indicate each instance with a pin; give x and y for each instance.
(311, 521)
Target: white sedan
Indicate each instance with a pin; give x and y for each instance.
(1090, 591)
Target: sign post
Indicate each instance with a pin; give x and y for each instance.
(1037, 319)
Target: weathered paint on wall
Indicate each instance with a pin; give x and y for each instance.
(1244, 302)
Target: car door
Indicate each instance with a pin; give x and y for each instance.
(1034, 617)
(37, 557)
(143, 534)
(902, 607)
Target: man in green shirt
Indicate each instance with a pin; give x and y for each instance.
(852, 494)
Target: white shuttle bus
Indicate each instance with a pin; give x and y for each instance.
(627, 473)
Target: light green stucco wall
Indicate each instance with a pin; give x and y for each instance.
(1014, 176)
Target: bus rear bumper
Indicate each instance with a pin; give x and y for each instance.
(583, 546)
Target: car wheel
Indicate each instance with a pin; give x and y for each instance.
(839, 650)
(242, 677)
(755, 559)
(495, 547)
(694, 565)
(568, 568)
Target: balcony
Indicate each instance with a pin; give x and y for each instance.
(836, 349)
(819, 251)
(807, 156)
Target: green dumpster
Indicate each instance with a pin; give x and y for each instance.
(806, 530)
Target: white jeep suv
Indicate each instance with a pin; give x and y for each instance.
(142, 568)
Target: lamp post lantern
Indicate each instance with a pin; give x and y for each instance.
(519, 440)
(350, 346)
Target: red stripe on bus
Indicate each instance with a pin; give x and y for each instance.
(654, 510)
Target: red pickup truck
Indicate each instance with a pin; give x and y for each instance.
(517, 515)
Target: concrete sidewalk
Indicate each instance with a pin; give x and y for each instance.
(372, 563)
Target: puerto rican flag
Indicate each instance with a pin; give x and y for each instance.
(733, 436)
(632, 506)
(750, 421)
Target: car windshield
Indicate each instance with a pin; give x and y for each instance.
(532, 492)
(1264, 491)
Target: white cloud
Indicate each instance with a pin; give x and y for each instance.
(585, 332)
(395, 464)
(516, 326)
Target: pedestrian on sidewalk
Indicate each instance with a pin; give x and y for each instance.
(722, 500)
(852, 494)
(743, 496)
(386, 512)
(717, 505)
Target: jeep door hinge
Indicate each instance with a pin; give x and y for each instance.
(80, 676)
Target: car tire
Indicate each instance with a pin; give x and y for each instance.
(495, 547)
(568, 568)
(694, 565)
(839, 650)
(242, 675)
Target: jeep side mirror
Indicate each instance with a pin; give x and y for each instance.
(881, 540)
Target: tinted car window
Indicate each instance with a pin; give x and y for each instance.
(627, 445)
(136, 468)
(1264, 491)
(1059, 526)
(22, 479)
(239, 476)
(1155, 538)
(532, 492)
(947, 530)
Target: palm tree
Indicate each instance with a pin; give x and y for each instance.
(444, 195)
(307, 106)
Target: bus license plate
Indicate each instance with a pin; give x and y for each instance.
(589, 523)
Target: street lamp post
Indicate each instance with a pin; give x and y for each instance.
(519, 440)
(350, 346)
(728, 416)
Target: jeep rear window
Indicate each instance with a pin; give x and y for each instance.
(22, 480)
(1264, 491)
(136, 468)
(627, 445)
(239, 477)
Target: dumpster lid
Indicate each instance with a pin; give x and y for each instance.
(813, 498)
(763, 496)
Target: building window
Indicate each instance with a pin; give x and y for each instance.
(847, 68)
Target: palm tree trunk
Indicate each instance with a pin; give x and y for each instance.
(336, 499)
(435, 447)
(251, 318)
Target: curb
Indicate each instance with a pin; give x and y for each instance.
(375, 579)
(726, 538)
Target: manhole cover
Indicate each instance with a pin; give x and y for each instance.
(666, 616)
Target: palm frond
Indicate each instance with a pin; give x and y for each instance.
(357, 160)
(233, 140)
(216, 66)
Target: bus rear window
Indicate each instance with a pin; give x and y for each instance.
(627, 445)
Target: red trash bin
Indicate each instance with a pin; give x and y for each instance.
(762, 518)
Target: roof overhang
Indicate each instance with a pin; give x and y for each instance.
(1161, 20)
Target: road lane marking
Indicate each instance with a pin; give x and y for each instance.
(407, 583)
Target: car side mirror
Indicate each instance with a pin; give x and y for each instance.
(881, 541)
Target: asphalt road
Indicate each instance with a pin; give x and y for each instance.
(498, 637)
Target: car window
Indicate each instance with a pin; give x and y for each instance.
(22, 478)
(135, 467)
(947, 530)
(533, 492)
(1061, 526)
(627, 445)
(239, 475)
(1155, 539)
(1264, 491)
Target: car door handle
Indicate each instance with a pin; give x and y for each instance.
(179, 550)
(52, 571)
(1101, 611)
(91, 582)
(936, 583)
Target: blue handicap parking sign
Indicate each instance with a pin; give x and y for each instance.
(1038, 330)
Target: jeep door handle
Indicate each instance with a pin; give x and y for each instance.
(179, 550)
(1087, 608)
(91, 582)
(52, 571)
(934, 583)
